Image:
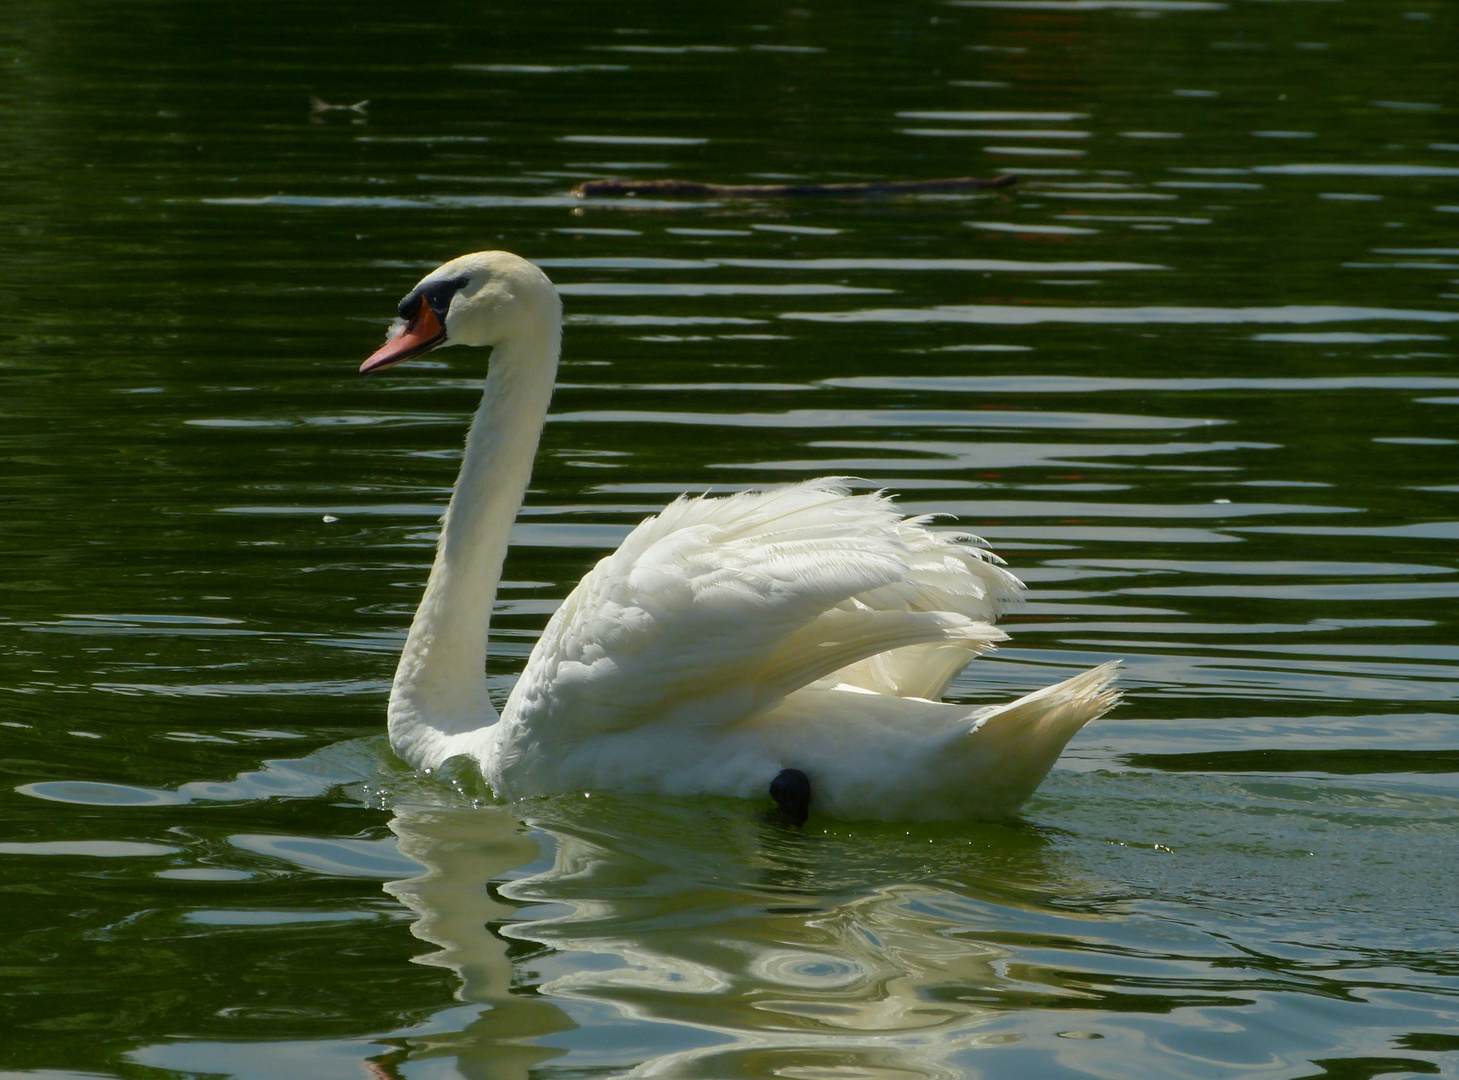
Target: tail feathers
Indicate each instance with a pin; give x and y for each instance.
(1058, 711)
(1011, 748)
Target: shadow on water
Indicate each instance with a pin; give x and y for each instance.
(728, 842)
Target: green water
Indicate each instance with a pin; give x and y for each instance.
(1193, 377)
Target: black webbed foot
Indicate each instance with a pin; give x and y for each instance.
(791, 790)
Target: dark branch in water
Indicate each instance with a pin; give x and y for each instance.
(781, 191)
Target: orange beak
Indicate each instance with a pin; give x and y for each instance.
(422, 334)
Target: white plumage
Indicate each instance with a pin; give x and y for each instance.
(727, 639)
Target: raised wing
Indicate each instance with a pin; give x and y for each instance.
(718, 608)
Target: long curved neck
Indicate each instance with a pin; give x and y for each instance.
(439, 705)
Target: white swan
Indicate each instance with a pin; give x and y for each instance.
(799, 637)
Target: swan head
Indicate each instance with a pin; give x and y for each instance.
(484, 298)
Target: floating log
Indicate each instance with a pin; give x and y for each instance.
(694, 188)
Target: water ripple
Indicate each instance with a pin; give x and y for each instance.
(1057, 384)
(1006, 315)
(625, 288)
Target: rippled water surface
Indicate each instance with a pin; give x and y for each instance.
(1193, 376)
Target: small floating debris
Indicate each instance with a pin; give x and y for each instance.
(319, 105)
(694, 188)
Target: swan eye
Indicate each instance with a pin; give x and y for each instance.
(436, 293)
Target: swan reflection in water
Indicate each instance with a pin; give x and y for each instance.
(464, 850)
(673, 937)
(716, 943)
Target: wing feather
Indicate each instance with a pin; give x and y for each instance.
(717, 608)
